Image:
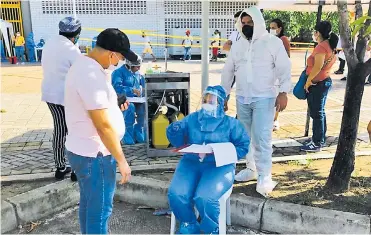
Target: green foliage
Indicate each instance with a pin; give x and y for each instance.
(359, 24)
(299, 25)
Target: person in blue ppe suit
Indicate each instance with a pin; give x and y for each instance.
(128, 81)
(197, 181)
(30, 45)
(3, 56)
(40, 45)
(94, 42)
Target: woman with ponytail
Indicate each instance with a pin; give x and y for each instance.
(319, 64)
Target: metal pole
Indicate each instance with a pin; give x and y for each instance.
(165, 54)
(319, 12)
(205, 44)
(74, 8)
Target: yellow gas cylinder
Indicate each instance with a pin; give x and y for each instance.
(159, 124)
(177, 116)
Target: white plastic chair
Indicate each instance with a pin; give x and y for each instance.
(224, 216)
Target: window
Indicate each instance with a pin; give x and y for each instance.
(223, 8)
(174, 7)
(95, 7)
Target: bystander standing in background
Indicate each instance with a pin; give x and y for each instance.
(277, 28)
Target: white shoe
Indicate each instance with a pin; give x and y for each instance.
(246, 175)
(265, 185)
(276, 125)
(22, 63)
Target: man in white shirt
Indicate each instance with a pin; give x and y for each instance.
(96, 126)
(147, 47)
(235, 35)
(59, 53)
(257, 60)
(187, 43)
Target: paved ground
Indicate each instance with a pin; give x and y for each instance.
(125, 220)
(26, 124)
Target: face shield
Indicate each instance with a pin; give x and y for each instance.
(210, 104)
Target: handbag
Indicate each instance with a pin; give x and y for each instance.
(299, 91)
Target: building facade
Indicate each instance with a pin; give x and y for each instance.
(157, 16)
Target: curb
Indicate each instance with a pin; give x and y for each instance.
(255, 213)
(282, 217)
(50, 175)
(261, 214)
(8, 217)
(37, 204)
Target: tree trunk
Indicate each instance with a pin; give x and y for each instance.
(343, 165)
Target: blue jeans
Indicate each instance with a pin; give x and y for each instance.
(97, 181)
(203, 184)
(257, 118)
(19, 53)
(316, 102)
(187, 53)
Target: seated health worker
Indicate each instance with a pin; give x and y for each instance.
(197, 181)
(128, 81)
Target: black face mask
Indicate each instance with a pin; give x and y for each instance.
(248, 31)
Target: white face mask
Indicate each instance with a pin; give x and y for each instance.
(209, 107)
(314, 38)
(114, 67)
(273, 32)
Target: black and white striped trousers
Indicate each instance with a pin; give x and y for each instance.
(59, 134)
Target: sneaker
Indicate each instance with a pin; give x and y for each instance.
(343, 79)
(246, 175)
(339, 72)
(73, 176)
(311, 147)
(276, 125)
(265, 185)
(60, 173)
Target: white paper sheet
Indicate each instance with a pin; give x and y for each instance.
(225, 153)
(197, 148)
(136, 99)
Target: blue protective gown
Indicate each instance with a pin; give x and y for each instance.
(39, 52)
(202, 183)
(124, 81)
(30, 45)
(94, 42)
(3, 56)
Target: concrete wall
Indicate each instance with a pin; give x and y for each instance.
(156, 15)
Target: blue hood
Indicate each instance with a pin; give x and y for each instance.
(29, 40)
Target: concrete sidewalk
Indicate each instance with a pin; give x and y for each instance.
(126, 219)
(26, 123)
(33, 159)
